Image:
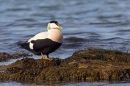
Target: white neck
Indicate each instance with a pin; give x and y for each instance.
(55, 35)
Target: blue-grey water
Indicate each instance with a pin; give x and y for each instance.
(86, 23)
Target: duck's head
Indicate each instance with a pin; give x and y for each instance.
(54, 25)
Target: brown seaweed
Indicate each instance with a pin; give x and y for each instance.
(92, 64)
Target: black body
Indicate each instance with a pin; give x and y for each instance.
(44, 46)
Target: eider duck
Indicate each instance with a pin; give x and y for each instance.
(47, 42)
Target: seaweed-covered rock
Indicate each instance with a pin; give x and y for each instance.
(5, 56)
(25, 70)
(3, 77)
(83, 65)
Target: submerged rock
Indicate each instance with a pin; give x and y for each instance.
(91, 64)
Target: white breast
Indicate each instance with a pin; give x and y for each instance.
(55, 35)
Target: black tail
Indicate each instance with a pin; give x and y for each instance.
(25, 45)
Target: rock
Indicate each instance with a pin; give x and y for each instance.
(5, 56)
(84, 65)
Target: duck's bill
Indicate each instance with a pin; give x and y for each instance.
(60, 26)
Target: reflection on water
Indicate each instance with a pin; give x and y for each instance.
(86, 23)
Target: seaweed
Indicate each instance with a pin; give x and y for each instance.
(92, 64)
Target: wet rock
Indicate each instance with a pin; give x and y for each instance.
(5, 56)
(84, 65)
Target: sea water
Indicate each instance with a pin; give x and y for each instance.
(86, 23)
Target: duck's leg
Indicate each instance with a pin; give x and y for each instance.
(42, 56)
(46, 58)
(47, 55)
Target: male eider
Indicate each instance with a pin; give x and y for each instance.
(45, 42)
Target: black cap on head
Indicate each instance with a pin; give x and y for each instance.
(54, 22)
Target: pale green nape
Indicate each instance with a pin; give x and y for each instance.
(48, 26)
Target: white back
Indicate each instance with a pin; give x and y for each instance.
(41, 35)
